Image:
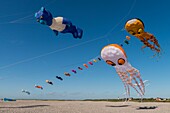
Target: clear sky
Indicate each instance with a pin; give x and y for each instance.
(26, 46)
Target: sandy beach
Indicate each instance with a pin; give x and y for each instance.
(34, 106)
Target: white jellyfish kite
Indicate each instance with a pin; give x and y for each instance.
(115, 56)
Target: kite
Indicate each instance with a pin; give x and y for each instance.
(136, 28)
(126, 41)
(91, 63)
(115, 56)
(59, 78)
(85, 65)
(25, 91)
(8, 99)
(99, 59)
(49, 82)
(80, 68)
(94, 60)
(58, 24)
(74, 71)
(40, 87)
(128, 37)
(67, 74)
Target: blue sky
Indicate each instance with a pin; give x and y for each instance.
(23, 42)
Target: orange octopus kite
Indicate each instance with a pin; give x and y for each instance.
(136, 28)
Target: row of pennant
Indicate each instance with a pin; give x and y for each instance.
(85, 65)
(66, 74)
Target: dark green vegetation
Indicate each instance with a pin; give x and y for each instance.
(132, 100)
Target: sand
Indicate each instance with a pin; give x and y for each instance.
(34, 106)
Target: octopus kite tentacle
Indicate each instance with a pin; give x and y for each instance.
(141, 81)
(152, 38)
(125, 77)
(136, 28)
(147, 44)
(133, 86)
(124, 80)
(134, 73)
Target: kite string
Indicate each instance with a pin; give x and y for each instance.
(42, 55)
(20, 19)
(58, 50)
(130, 10)
(23, 18)
(106, 35)
(28, 16)
(4, 16)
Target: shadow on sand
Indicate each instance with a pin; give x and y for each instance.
(31, 106)
(147, 107)
(117, 106)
